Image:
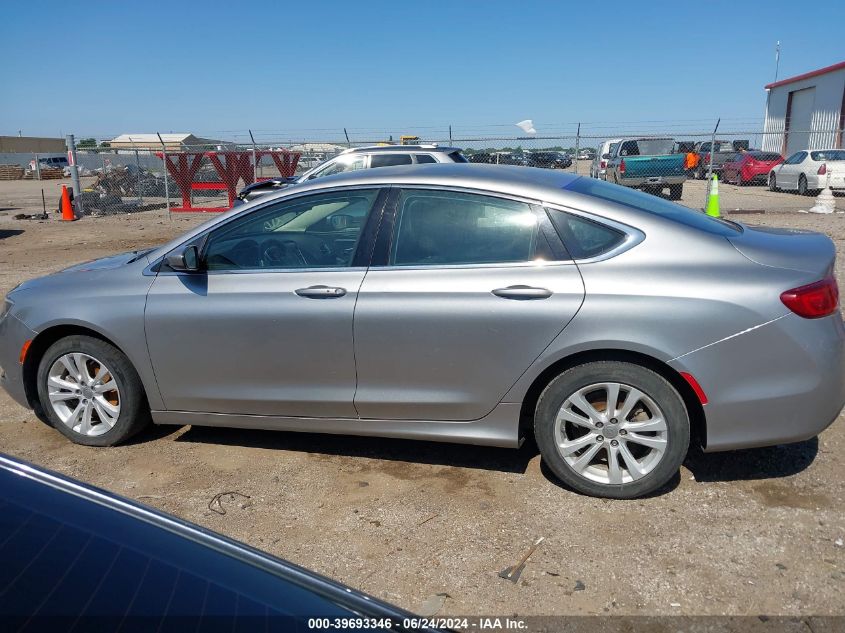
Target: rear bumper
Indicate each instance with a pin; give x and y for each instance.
(652, 181)
(781, 382)
(13, 334)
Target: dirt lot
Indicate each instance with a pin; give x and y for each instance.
(429, 526)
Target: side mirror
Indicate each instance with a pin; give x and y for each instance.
(184, 261)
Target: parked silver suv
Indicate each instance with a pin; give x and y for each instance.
(357, 158)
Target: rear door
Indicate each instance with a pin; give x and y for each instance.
(465, 291)
(267, 328)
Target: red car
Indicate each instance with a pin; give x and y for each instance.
(752, 166)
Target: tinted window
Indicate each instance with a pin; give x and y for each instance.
(442, 228)
(458, 157)
(651, 204)
(584, 238)
(766, 156)
(831, 154)
(796, 158)
(425, 158)
(389, 160)
(318, 231)
(647, 147)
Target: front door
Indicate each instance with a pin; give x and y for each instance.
(267, 328)
(468, 294)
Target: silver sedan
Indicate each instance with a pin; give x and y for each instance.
(462, 303)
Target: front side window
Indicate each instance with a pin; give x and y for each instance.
(796, 158)
(319, 231)
(341, 165)
(451, 228)
(389, 160)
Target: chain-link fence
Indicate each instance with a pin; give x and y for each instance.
(672, 160)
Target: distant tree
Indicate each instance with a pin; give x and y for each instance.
(105, 144)
(87, 142)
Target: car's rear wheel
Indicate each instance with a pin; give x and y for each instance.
(802, 185)
(612, 429)
(90, 392)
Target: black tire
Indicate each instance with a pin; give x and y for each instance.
(675, 192)
(134, 413)
(650, 383)
(773, 183)
(802, 185)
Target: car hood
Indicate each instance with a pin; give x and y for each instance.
(94, 266)
(105, 263)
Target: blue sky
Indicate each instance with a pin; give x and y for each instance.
(310, 69)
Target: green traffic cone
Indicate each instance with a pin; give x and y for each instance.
(712, 208)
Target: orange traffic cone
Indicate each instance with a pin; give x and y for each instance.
(67, 208)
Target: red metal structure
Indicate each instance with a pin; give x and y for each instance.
(231, 166)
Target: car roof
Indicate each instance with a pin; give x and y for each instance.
(475, 176)
(399, 148)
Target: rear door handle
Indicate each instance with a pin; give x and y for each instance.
(522, 292)
(321, 292)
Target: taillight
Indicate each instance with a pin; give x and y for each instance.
(815, 300)
(622, 166)
(603, 164)
(707, 157)
(822, 170)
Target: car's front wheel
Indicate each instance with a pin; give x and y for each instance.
(612, 429)
(90, 391)
(773, 182)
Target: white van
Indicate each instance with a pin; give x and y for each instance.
(599, 164)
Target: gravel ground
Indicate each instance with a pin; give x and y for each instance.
(429, 526)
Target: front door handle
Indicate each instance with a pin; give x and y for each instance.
(321, 292)
(522, 293)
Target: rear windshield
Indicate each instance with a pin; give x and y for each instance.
(647, 147)
(457, 157)
(652, 204)
(830, 154)
(764, 155)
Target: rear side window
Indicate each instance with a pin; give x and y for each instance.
(389, 160)
(652, 204)
(457, 157)
(584, 238)
(831, 154)
(767, 156)
(452, 228)
(425, 158)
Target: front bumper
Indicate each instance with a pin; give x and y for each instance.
(781, 382)
(13, 334)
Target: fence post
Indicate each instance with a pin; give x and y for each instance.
(710, 164)
(74, 172)
(138, 175)
(166, 186)
(37, 167)
(577, 146)
(254, 161)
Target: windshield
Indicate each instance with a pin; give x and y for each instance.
(652, 204)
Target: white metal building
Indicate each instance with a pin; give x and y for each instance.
(806, 111)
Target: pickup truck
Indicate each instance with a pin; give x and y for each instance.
(725, 151)
(648, 164)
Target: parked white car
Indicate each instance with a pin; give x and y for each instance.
(599, 165)
(810, 171)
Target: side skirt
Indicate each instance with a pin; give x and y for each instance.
(499, 428)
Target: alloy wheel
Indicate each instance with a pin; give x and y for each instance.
(84, 394)
(611, 433)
